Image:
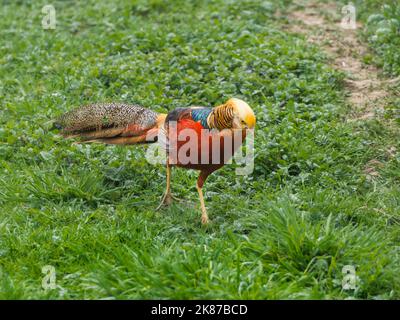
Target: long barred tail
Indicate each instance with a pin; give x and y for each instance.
(114, 123)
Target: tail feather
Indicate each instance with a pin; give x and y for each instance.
(114, 123)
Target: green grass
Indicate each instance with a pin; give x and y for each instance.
(286, 231)
(382, 31)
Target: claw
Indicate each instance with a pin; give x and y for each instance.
(165, 201)
(204, 219)
(176, 198)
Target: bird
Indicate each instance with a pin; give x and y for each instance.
(194, 137)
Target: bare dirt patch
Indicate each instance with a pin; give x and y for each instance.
(321, 24)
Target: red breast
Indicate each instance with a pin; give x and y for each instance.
(193, 147)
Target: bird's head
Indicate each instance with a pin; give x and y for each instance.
(233, 114)
(243, 115)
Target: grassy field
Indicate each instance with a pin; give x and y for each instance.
(284, 232)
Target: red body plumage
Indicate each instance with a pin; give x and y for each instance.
(192, 146)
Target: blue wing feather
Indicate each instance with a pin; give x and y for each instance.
(201, 114)
(198, 114)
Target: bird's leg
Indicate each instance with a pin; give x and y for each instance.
(167, 197)
(199, 186)
(204, 215)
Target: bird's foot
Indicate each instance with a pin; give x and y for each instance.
(166, 200)
(176, 198)
(204, 219)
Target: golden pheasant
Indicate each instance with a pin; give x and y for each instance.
(197, 138)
